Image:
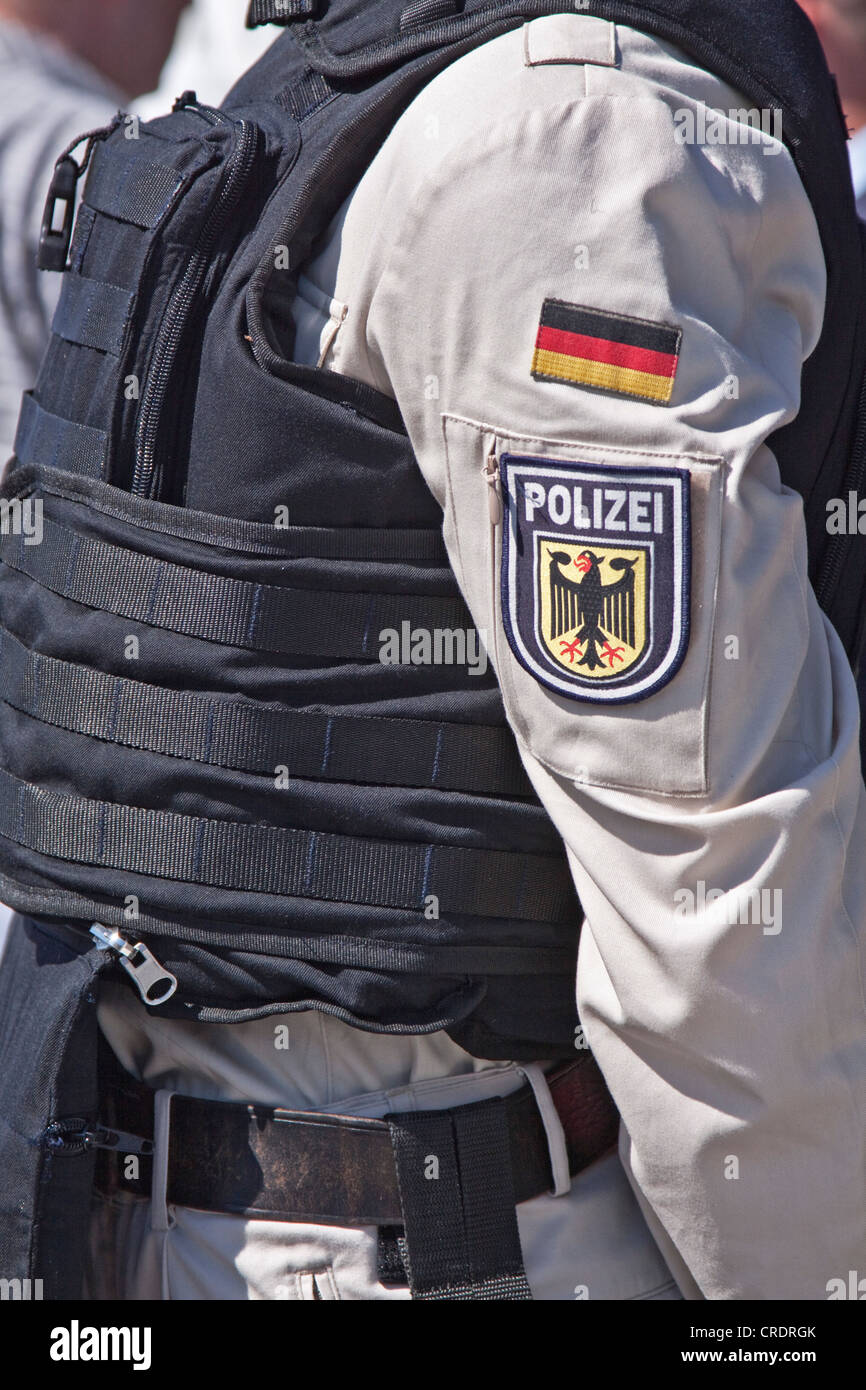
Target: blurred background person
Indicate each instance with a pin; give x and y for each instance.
(213, 49)
(841, 26)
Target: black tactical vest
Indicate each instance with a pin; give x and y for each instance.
(199, 748)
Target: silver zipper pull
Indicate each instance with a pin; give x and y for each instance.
(494, 495)
(117, 1141)
(154, 983)
(74, 1137)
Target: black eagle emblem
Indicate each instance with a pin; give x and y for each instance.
(601, 611)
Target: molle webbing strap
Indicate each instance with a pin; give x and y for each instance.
(235, 733)
(292, 863)
(457, 1196)
(386, 543)
(138, 191)
(231, 612)
(92, 313)
(306, 96)
(48, 439)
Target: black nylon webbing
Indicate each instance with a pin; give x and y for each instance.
(138, 191)
(307, 95)
(48, 439)
(232, 612)
(92, 313)
(279, 11)
(457, 1197)
(388, 543)
(292, 863)
(235, 733)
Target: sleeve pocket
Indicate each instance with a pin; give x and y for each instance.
(596, 591)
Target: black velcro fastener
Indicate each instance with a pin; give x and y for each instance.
(292, 863)
(235, 733)
(279, 11)
(138, 191)
(231, 612)
(48, 439)
(92, 313)
(457, 1197)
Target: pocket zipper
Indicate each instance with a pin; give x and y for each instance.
(493, 479)
(154, 983)
(494, 495)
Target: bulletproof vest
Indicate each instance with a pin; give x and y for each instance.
(200, 750)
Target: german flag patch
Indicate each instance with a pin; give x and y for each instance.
(610, 352)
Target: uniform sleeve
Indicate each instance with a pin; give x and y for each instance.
(615, 320)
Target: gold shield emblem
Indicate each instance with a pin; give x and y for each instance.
(593, 606)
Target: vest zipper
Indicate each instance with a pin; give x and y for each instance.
(75, 1136)
(154, 983)
(146, 477)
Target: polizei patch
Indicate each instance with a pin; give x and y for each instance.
(595, 575)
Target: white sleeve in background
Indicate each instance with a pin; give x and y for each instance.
(716, 826)
(47, 98)
(212, 50)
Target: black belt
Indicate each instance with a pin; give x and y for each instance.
(288, 1165)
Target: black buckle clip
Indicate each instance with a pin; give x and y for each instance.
(53, 242)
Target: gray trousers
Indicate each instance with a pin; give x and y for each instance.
(588, 1241)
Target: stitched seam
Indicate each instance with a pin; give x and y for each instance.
(449, 502)
(326, 1053)
(711, 647)
(611, 390)
(609, 60)
(484, 427)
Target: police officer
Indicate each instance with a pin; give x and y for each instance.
(592, 310)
